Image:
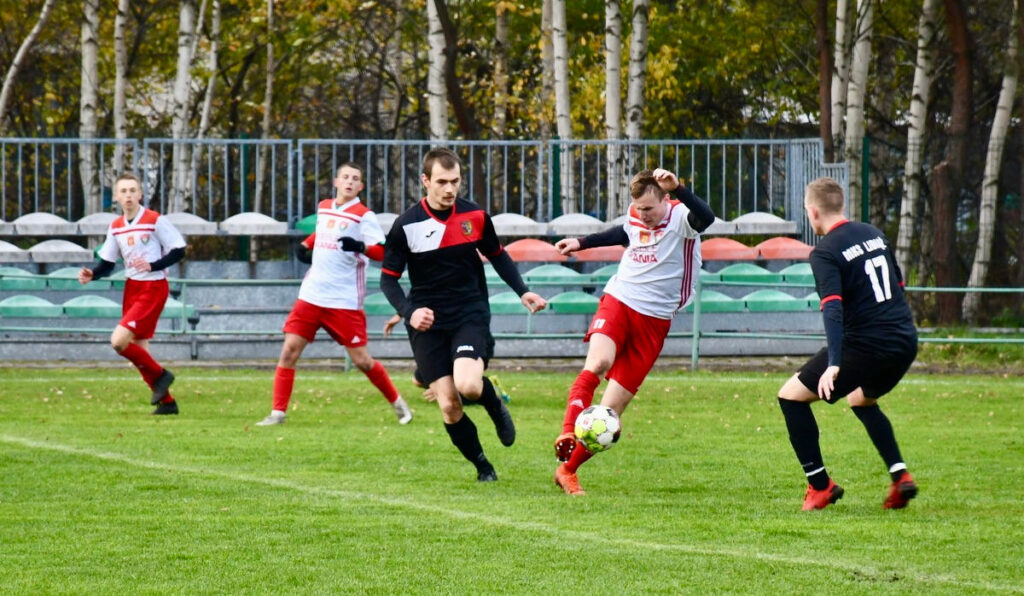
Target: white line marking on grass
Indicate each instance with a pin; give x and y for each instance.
(554, 531)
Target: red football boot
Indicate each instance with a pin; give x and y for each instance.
(819, 499)
(900, 492)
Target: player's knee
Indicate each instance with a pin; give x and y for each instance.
(363, 364)
(470, 388)
(451, 411)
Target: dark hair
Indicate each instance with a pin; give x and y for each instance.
(644, 183)
(826, 194)
(350, 164)
(446, 157)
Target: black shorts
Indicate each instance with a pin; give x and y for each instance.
(876, 374)
(436, 349)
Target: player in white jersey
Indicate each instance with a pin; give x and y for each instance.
(656, 278)
(148, 244)
(331, 296)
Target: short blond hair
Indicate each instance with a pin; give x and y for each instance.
(826, 194)
(643, 183)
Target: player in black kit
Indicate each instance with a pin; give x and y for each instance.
(446, 312)
(871, 340)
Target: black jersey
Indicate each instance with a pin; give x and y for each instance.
(445, 270)
(854, 264)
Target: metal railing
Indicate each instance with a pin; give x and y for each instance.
(284, 178)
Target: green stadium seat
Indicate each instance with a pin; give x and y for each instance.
(66, 278)
(378, 305)
(798, 273)
(116, 279)
(577, 303)
(173, 309)
(707, 276)
(29, 306)
(605, 273)
(813, 301)
(491, 276)
(21, 280)
(90, 305)
(749, 273)
(307, 224)
(507, 303)
(552, 274)
(773, 301)
(713, 301)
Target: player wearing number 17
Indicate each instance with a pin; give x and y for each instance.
(871, 342)
(656, 277)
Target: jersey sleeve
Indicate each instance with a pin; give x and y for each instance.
(110, 251)
(168, 235)
(309, 241)
(489, 244)
(680, 218)
(827, 276)
(372, 232)
(396, 252)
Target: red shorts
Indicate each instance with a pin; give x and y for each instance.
(142, 304)
(347, 327)
(638, 340)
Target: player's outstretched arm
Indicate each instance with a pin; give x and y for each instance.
(567, 246)
(533, 302)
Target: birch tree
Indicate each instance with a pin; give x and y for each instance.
(855, 103)
(913, 176)
(120, 83)
(182, 92)
(88, 106)
(840, 73)
(211, 83)
(268, 95)
(563, 117)
(613, 102)
(19, 59)
(547, 58)
(635, 89)
(437, 96)
(990, 181)
(500, 96)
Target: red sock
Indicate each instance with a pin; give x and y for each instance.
(579, 456)
(380, 379)
(581, 395)
(167, 400)
(284, 381)
(148, 367)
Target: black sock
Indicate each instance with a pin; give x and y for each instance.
(465, 438)
(803, 436)
(880, 430)
(489, 397)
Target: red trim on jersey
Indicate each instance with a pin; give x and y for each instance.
(135, 229)
(839, 223)
(686, 289)
(426, 207)
(501, 249)
(310, 241)
(340, 215)
(830, 298)
(903, 284)
(390, 272)
(375, 252)
(463, 228)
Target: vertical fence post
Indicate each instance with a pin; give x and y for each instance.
(695, 331)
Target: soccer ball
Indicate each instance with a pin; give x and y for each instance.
(598, 428)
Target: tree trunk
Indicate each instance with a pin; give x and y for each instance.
(635, 94)
(463, 110)
(612, 103)
(547, 58)
(563, 116)
(88, 107)
(990, 182)
(855, 104)
(497, 178)
(824, 79)
(913, 176)
(437, 97)
(211, 65)
(263, 165)
(182, 93)
(840, 74)
(120, 83)
(947, 267)
(19, 59)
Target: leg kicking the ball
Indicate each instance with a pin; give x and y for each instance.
(656, 277)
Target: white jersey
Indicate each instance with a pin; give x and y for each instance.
(148, 236)
(658, 271)
(337, 278)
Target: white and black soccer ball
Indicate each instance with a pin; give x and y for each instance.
(598, 428)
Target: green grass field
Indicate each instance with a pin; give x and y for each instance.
(702, 495)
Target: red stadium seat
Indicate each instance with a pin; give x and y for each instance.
(533, 250)
(726, 249)
(782, 247)
(604, 254)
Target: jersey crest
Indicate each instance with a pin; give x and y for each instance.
(467, 227)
